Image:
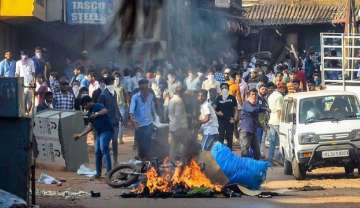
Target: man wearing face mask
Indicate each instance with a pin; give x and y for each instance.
(25, 68)
(40, 64)
(108, 98)
(226, 111)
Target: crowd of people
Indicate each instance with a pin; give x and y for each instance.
(220, 100)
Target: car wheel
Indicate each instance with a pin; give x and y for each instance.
(298, 170)
(349, 170)
(287, 167)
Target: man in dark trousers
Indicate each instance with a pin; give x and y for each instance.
(100, 122)
(226, 110)
(249, 124)
(142, 113)
(108, 98)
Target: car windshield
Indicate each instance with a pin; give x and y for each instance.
(329, 108)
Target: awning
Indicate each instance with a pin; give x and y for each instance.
(294, 14)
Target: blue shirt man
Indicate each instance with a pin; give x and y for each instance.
(79, 76)
(100, 122)
(142, 111)
(249, 124)
(142, 108)
(7, 66)
(39, 63)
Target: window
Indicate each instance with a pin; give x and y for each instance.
(325, 108)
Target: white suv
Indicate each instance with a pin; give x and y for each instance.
(320, 129)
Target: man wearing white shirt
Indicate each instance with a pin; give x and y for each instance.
(275, 102)
(209, 122)
(25, 68)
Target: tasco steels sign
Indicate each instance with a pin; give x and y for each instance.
(88, 11)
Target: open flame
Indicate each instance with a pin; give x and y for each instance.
(189, 176)
(192, 177)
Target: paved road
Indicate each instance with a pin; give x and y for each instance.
(340, 191)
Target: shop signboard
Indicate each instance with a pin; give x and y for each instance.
(88, 11)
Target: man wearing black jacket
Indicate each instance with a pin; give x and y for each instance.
(226, 110)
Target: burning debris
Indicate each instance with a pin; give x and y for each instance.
(185, 180)
(206, 176)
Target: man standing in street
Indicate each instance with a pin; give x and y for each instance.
(41, 67)
(100, 122)
(122, 103)
(64, 99)
(192, 85)
(208, 120)
(275, 102)
(249, 124)
(78, 75)
(226, 111)
(142, 114)
(172, 83)
(108, 98)
(263, 116)
(7, 66)
(93, 83)
(25, 68)
(178, 127)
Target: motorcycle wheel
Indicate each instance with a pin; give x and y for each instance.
(122, 175)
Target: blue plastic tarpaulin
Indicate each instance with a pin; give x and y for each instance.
(240, 170)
